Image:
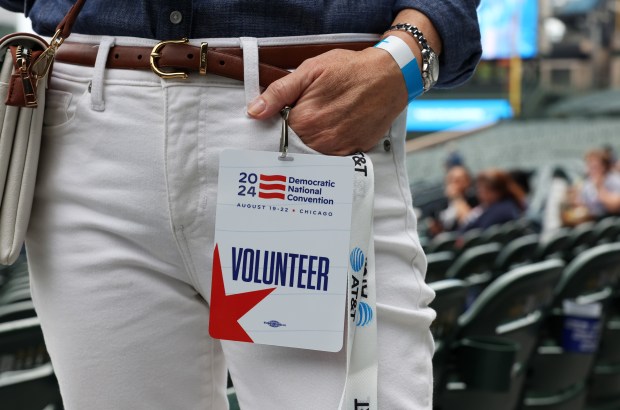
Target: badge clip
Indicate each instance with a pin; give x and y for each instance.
(284, 135)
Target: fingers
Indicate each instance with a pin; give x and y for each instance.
(283, 92)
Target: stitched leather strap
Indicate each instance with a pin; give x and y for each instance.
(66, 25)
(226, 62)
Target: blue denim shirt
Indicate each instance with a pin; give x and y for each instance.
(455, 20)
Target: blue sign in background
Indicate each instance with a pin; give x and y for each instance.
(455, 115)
(509, 28)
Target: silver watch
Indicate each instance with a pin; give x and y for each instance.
(430, 63)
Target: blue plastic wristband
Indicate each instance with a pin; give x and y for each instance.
(404, 57)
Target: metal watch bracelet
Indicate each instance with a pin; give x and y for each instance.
(430, 63)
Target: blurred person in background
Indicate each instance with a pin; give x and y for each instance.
(599, 195)
(461, 197)
(522, 178)
(615, 163)
(454, 159)
(501, 200)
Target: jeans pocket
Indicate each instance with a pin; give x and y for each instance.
(62, 104)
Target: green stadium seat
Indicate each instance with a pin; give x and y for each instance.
(16, 295)
(475, 267)
(16, 311)
(517, 252)
(8, 273)
(494, 234)
(449, 303)
(607, 230)
(15, 284)
(470, 239)
(572, 398)
(496, 337)
(424, 243)
(554, 246)
(19, 279)
(27, 378)
(438, 265)
(604, 383)
(233, 403)
(511, 230)
(557, 367)
(445, 241)
(478, 260)
(582, 237)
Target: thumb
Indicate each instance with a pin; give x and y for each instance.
(280, 93)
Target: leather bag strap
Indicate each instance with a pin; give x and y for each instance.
(66, 25)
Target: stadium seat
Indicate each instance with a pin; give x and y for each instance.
(474, 261)
(12, 284)
(424, 242)
(581, 237)
(445, 241)
(16, 311)
(571, 398)
(604, 385)
(233, 403)
(562, 361)
(449, 303)
(494, 234)
(607, 230)
(27, 380)
(16, 295)
(517, 252)
(470, 239)
(515, 229)
(438, 265)
(555, 246)
(21, 279)
(8, 273)
(475, 266)
(496, 337)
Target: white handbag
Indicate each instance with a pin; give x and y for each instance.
(20, 138)
(25, 61)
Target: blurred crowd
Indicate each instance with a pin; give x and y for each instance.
(496, 196)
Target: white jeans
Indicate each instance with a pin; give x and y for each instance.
(120, 248)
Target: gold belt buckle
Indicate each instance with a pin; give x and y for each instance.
(156, 54)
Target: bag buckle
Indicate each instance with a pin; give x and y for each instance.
(156, 54)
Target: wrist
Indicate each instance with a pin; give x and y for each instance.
(429, 59)
(411, 43)
(390, 73)
(407, 62)
(419, 34)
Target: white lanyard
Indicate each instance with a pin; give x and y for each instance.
(360, 391)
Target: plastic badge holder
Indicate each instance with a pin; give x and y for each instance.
(486, 363)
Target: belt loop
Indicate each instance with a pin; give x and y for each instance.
(250, 68)
(96, 93)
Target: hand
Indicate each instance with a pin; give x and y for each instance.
(344, 101)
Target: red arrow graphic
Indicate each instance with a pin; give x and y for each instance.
(226, 310)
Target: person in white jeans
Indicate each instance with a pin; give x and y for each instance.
(120, 240)
(120, 247)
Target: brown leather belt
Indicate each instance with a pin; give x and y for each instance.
(175, 59)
